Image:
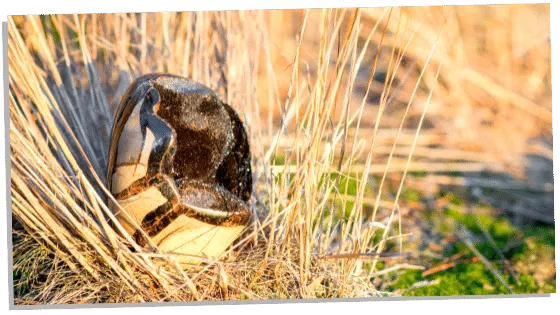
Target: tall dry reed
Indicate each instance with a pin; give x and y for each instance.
(321, 121)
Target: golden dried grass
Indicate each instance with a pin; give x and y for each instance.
(297, 89)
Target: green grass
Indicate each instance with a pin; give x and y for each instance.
(418, 173)
(525, 246)
(520, 244)
(411, 195)
(467, 279)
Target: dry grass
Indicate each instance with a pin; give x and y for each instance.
(319, 121)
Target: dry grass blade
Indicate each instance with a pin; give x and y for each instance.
(333, 100)
(57, 175)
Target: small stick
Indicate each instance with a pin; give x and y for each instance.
(447, 265)
(423, 283)
(382, 256)
(395, 268)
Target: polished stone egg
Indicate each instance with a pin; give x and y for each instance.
(180, 167)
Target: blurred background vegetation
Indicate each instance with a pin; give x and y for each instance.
(481, 171)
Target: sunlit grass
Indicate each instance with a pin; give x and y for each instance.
(330, 165)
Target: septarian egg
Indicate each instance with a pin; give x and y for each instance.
(179, 167)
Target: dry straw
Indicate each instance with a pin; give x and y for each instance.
(312, 131)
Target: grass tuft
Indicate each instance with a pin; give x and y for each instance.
(340, 105)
